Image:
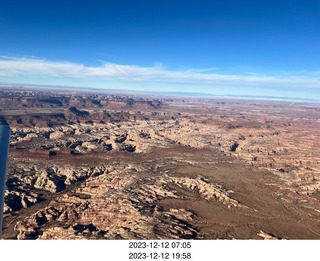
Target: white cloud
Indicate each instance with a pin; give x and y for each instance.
(158, 73)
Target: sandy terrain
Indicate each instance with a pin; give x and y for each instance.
(102, 166)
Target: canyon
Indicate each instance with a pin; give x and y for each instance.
(97, 165)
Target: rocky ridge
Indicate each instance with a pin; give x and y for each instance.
(64, 167)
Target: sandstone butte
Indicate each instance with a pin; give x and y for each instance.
(102, 166)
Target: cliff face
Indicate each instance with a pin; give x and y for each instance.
(120, 167)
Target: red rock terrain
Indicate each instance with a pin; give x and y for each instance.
(95, 166)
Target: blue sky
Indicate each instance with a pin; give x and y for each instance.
(220, 47)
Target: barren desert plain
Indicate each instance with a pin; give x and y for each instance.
(96, 165)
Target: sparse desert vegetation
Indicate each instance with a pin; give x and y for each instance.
(101, 166)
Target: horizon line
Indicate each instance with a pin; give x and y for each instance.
(164, 93)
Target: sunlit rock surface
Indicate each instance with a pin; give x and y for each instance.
(102, 166)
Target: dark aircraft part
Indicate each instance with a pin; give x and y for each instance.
(4, 148)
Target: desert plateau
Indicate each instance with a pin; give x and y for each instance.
(97, 165)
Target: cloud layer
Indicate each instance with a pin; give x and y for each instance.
(134, 73)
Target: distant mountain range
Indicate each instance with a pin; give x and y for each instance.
(175, 93)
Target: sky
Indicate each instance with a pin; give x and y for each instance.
(237, 47)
